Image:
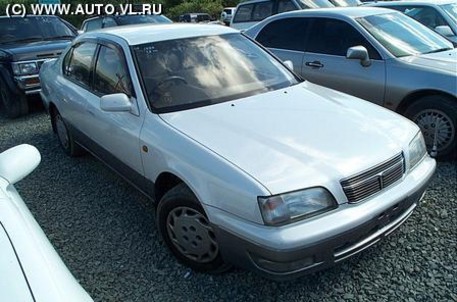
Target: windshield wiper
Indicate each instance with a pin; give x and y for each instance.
(438, 50)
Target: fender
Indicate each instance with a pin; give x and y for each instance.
(7, 78)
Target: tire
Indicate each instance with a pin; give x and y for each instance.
(15, 105)
(186, 231)
(436, 114)
(65, 137)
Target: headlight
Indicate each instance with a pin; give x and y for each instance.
(417, 150)
(288, 207)
(25, 68)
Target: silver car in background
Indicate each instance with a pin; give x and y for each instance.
(376, 54)
(439, 15)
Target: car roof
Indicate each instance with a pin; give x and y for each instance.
(250, 2)
(350, 12)
(147, 33)
(421, 2)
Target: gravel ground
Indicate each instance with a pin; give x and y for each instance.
(104, 231)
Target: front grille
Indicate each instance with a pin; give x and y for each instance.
(365, 184)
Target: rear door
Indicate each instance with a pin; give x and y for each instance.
(325, 63)
(74, 85)
(286, 39)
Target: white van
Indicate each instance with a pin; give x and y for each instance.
(250, 12)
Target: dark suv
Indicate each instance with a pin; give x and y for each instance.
(25, 43)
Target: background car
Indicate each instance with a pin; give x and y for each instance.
(439, 15)
(99, 22)
(227, 14)
(248, 164)
(25, 43)
(345, 3)
(195, 18)
(250, 12)
(378, 55)
(31, 269)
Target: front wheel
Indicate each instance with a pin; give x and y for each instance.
(187, 232)
(436, 115)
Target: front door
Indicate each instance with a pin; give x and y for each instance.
(325, 62)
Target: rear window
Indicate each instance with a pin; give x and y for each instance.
(243, 13)
(253, 12)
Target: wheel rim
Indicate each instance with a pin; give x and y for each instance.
(191, 233)
(62, 132)
(433, 121)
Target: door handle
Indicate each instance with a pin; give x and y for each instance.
(314, 64)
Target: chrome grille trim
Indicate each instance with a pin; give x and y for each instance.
(374, 180)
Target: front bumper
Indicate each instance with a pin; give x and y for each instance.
(290, 251)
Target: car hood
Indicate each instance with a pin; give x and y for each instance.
(302, 136)
(35, 50)
(443, 60)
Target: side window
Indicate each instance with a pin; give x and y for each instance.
(426, 15)
(109, 22)
(286, 6)
(334, 37)
(94, 24)
(262, 10)
(284, 34)
(243, 13)
(111, 73)
(77, 63)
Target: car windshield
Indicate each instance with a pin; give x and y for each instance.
(33, 28)
(402, 35)
(315, 3)
(187, 73)
(139, 19)
(451, 10)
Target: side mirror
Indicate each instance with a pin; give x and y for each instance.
(359, 53)
(289, 64)
(18, 162)
(444, 30)
(117, 102)
(80, 31)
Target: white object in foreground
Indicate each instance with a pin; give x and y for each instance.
(31, 269)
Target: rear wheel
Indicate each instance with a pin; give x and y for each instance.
(187, 232)
(64, 135)
(436, 115)
(15, 105)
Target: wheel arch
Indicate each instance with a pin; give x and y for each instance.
(165, 182)
(52, 113)
(410, 98)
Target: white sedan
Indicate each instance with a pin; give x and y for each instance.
(30, 268)
(248, 164)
